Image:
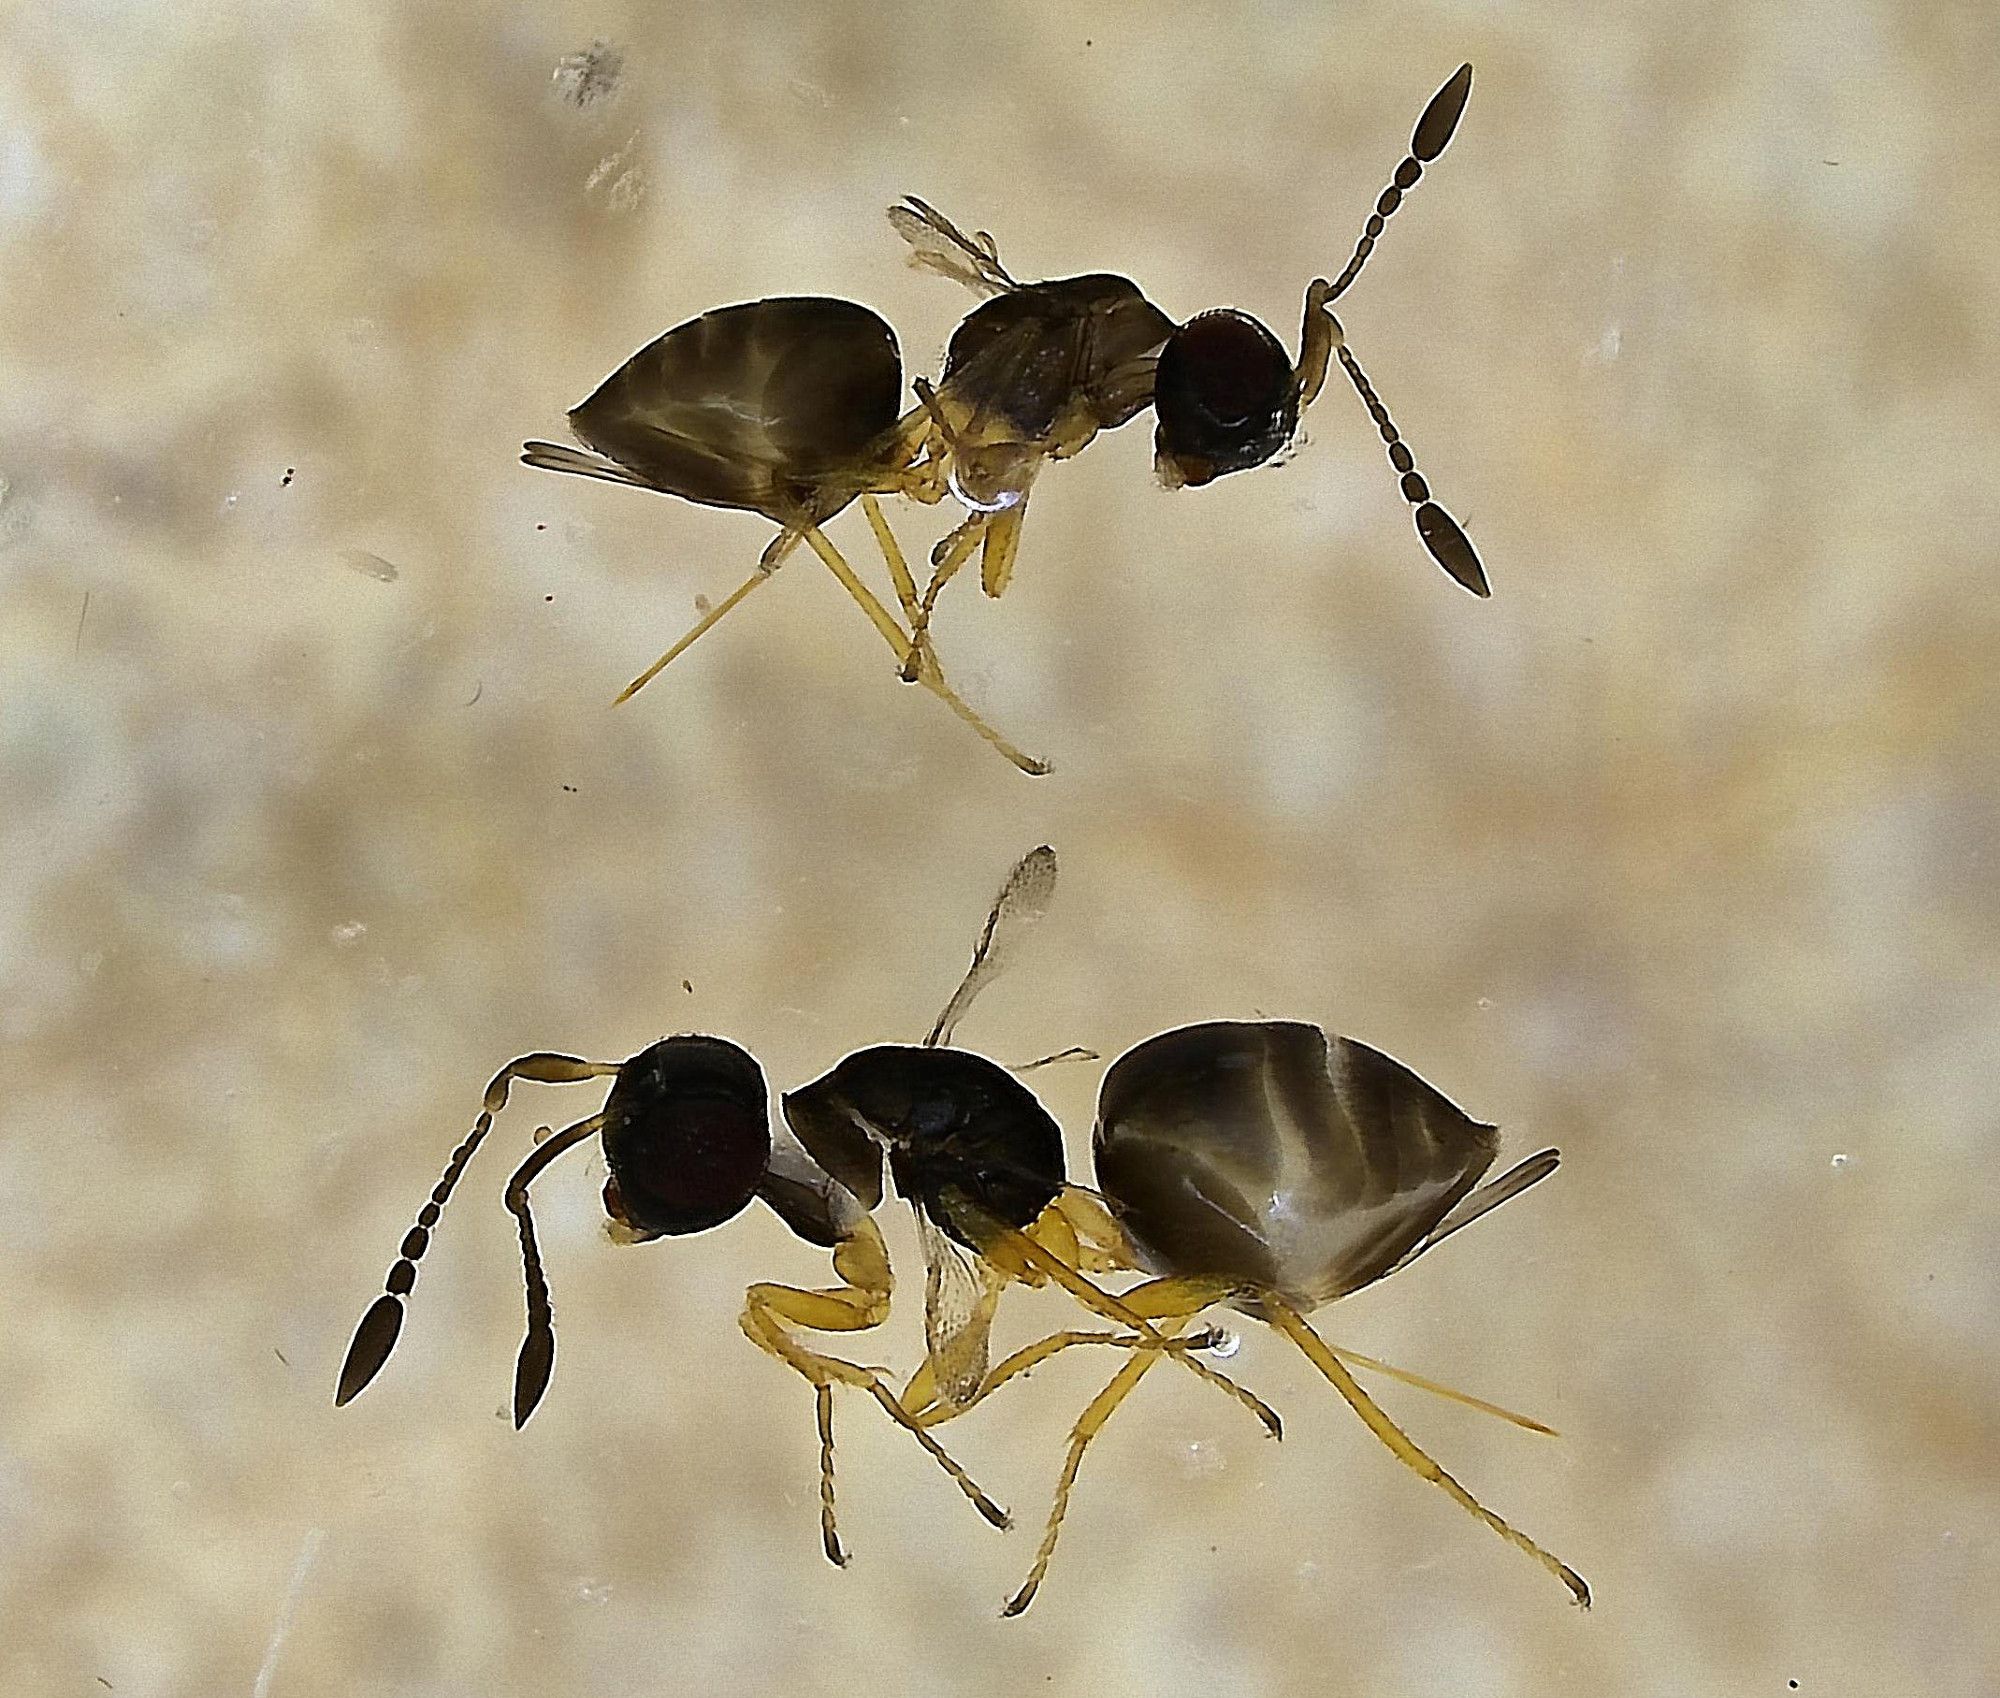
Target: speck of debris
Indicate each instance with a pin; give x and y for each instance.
(586, 77)
(370, 565)
(688, 986)
(571, 788)
(275, 1351)
(541, 527)
(478, 690)
(285, 482)
(548, 598)
(618, 180)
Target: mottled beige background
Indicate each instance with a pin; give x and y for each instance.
(1678, 853)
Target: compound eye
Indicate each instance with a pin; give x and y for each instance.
(1225, 397)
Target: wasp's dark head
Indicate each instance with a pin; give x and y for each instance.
(1225, 396)
(687, 1135)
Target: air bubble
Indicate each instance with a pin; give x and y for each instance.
(1226, 1343)
(1000, 501)
(1203, 1458)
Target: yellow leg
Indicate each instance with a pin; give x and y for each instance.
(913, 461)
(932, 1413)
(1003, 542)
(1171, 1301)
(1101, 1239)
(860, 1303)
(707, 623)
(892, 553)
(1079, 1230)
(906, 590)
(903, 474)
(1056, 1233)
(952, 554)
(829, 1534)
(928, 480)
(928, 674)
(1404, 1447)
(864, 598)
(919, 1397)
(1053, 1235)
(767, 564)
(1088, 1425)
(1013, 1248)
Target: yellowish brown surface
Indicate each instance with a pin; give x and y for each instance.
(1677, 853)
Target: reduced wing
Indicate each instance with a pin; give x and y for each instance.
(937, 244)
(1023, 899)
(960, 1295)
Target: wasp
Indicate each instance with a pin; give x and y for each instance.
(1040, 369)
(1264, 1165)
(791, 408)
(686, 1132)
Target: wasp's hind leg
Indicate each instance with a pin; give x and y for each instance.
(906, 649)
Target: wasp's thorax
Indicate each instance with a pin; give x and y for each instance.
(964, 1138)
(687, 1136)
(1037, 372)
(1263, 1151)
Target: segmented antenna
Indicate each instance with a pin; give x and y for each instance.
(537, 1360)
(375, 1337)
(1434, 129)
(1449, 546)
